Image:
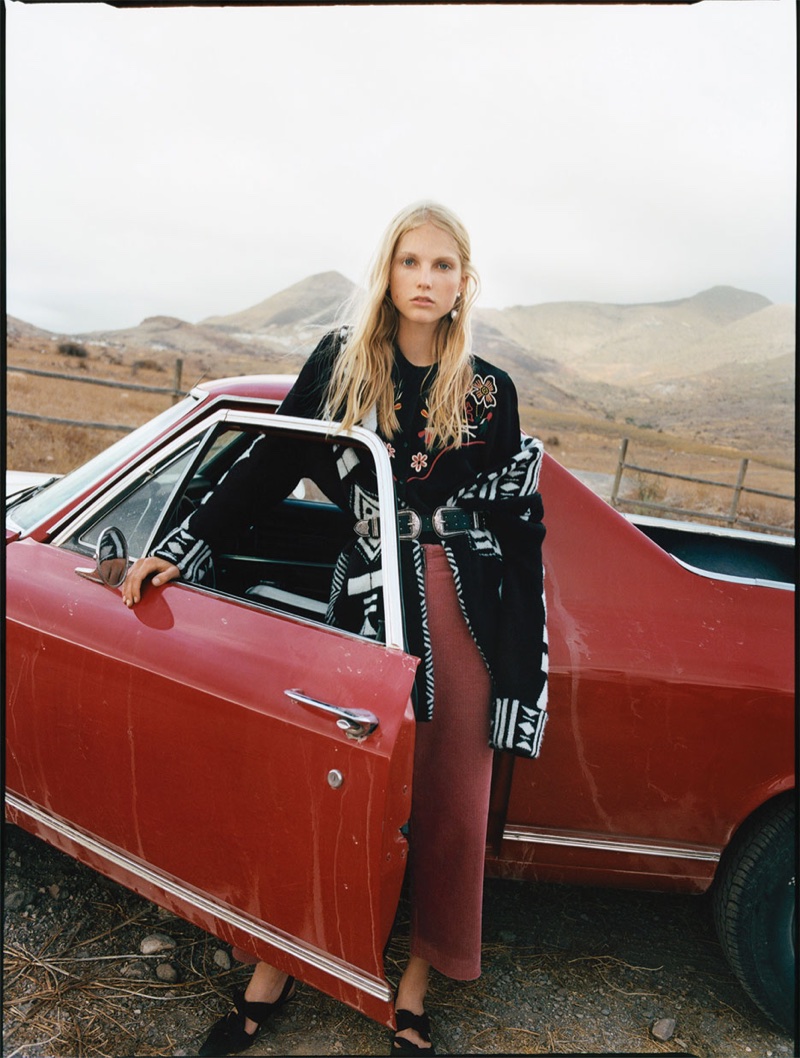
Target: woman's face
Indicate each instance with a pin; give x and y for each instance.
(426, 274)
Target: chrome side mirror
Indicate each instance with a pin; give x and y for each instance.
(110, 558)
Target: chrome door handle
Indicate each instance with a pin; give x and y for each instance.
(356, 723)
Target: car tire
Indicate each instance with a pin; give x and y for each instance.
(754, 909)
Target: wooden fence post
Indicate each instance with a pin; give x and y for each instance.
(623, 450)
(737, 492)
(176, 396)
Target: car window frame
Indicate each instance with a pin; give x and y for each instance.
(203, 430)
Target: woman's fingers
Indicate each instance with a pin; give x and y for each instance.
(139, 572)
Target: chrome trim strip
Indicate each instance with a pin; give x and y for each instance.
(703, 529)
(730, 578)
(329, 964)
(598, 842)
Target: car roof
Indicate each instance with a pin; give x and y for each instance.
(271, 387)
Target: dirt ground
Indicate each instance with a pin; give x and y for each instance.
(565, 971)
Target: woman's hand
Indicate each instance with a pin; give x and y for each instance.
(139, 572)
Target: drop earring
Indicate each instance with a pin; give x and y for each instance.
(454, 310)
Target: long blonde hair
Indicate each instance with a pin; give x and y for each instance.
(361, 382)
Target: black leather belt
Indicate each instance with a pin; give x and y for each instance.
(444, 522)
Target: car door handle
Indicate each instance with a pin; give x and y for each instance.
(356, 723)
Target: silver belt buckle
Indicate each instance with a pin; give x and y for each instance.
(416, 524)
(369, 527)
(438, 522)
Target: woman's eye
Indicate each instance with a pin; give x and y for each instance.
(444, 266)
(408, 260)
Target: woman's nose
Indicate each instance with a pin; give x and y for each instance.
(424, 277)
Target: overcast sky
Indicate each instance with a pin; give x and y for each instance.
(194, 161)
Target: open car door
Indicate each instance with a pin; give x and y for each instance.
(221, 750)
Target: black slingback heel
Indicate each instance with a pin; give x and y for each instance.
(419, 1023)
(228, 1035)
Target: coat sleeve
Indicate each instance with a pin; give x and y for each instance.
(520, 672)
(264, 475)
(503, 595)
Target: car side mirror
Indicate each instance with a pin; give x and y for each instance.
(111, 559)
(111, 556)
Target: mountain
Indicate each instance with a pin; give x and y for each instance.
(19, 330)
(162, 334)
(633, 343)
(312, 302)
(292, 321)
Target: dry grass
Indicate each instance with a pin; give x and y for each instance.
(707, 501)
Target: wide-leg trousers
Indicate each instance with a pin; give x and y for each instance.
(451, 787)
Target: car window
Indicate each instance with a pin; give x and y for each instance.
(158, 493)
(138, 512)
(283, 555)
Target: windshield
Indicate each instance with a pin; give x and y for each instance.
(28, 513)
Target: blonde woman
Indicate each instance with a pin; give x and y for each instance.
(472, 581)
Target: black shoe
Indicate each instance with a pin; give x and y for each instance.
(421, 1024)
(228, 1035)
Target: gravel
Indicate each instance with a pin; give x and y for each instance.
(92, 969)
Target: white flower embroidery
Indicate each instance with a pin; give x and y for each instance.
(484, 390)
(390, 450)
(419, 461)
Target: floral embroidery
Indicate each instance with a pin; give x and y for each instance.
(390, 450)
(419, 461)
(484, 390)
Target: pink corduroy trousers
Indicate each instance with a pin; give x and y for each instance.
(452, 781)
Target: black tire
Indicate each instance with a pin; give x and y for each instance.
(754, 910)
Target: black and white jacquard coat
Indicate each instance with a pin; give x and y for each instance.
(497, 569)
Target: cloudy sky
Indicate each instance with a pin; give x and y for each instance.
(194, 161)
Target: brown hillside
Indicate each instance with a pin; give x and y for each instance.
(311, 302)
(624, 343)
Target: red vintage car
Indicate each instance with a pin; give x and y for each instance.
(668, 762)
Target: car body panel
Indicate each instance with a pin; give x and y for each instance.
(670, 720)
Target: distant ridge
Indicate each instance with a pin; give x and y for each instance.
(312, 301)
(623, 344)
